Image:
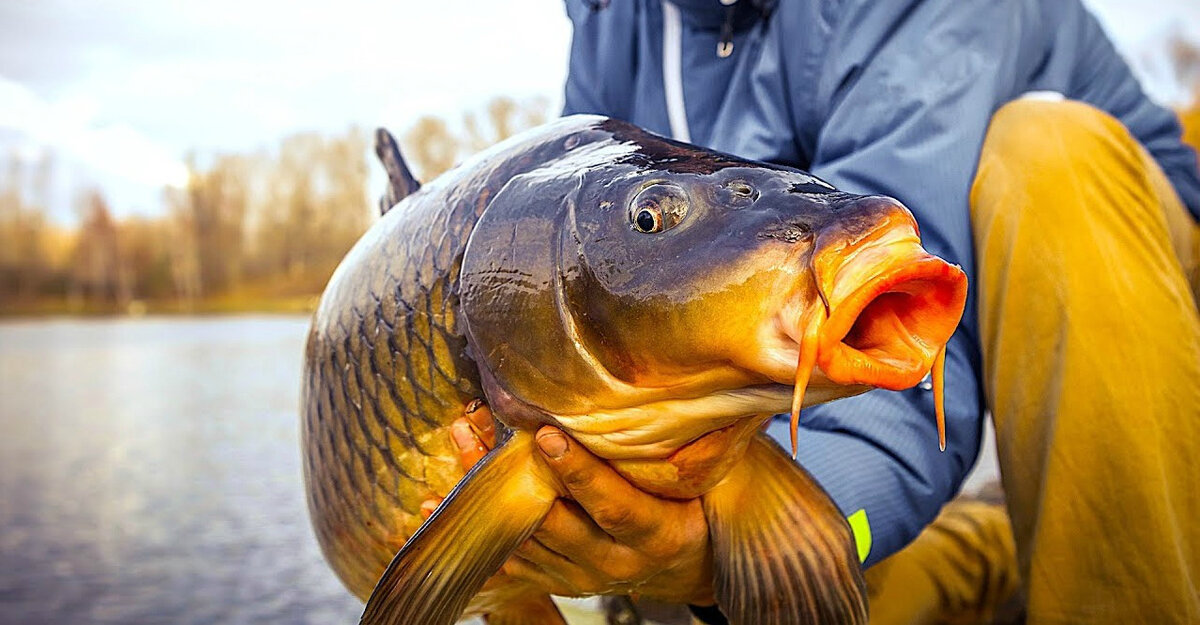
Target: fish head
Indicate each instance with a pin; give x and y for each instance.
(662, 303)
(689, 283)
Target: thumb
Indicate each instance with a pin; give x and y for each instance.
(620, 509)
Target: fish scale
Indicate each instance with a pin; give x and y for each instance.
(377, 412)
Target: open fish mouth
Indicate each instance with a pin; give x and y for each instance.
(890, 308)
(888, 332)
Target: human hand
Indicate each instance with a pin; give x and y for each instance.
(474, 435)
(610, 538)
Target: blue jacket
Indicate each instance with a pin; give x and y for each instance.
(875, 97)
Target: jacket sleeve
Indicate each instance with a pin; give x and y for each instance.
(877, 453)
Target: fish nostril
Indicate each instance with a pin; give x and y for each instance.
(743, 190)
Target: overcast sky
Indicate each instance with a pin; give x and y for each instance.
(122, 90)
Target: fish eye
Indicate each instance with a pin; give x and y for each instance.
(657, 208)
(648, 221)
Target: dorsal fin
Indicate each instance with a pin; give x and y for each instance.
(401, 182)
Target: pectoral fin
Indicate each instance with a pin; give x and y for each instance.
(784, 554)
(495, 507)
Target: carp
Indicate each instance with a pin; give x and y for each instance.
(656, 301)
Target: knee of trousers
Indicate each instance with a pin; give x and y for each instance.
(1040, 152)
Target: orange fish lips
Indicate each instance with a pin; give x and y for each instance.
(891, 308)
(888, 332)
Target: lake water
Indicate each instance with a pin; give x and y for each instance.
(150, 473)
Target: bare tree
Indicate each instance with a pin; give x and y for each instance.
(96, 274)
(24, 263)
(431, 147)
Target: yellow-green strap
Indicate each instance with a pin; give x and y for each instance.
(862, 533)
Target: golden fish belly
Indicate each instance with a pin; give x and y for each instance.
(694, 468)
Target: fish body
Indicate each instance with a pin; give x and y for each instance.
(656, 301)
(387, 368)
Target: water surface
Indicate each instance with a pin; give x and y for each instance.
(150, 473)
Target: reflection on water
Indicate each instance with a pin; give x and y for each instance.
(150, 473)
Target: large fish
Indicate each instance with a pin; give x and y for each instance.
(656, 301)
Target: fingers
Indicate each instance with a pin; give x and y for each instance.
(567, 528)
(519, 568)
(475, 434)
(480, 417)
(547, 560)
(470, 448)
(620, 509)
(580, 577)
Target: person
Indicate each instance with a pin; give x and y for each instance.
(1069, 211)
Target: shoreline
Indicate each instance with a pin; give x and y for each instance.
(215, 306)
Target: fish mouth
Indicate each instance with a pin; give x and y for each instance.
(889, 307)
(888, 331)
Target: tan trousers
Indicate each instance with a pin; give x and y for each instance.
(1091, 347)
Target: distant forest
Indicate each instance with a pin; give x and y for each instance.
(257, 231)
(261, 231)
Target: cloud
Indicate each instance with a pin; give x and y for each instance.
(126, 88)
(69, 128)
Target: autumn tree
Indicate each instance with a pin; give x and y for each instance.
(24, 263)
(260, 224)
(144, 253)
(1184, 57)
(212, 210)
(315, 206)
(97, 274)
(505, 117)
(431, 147)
